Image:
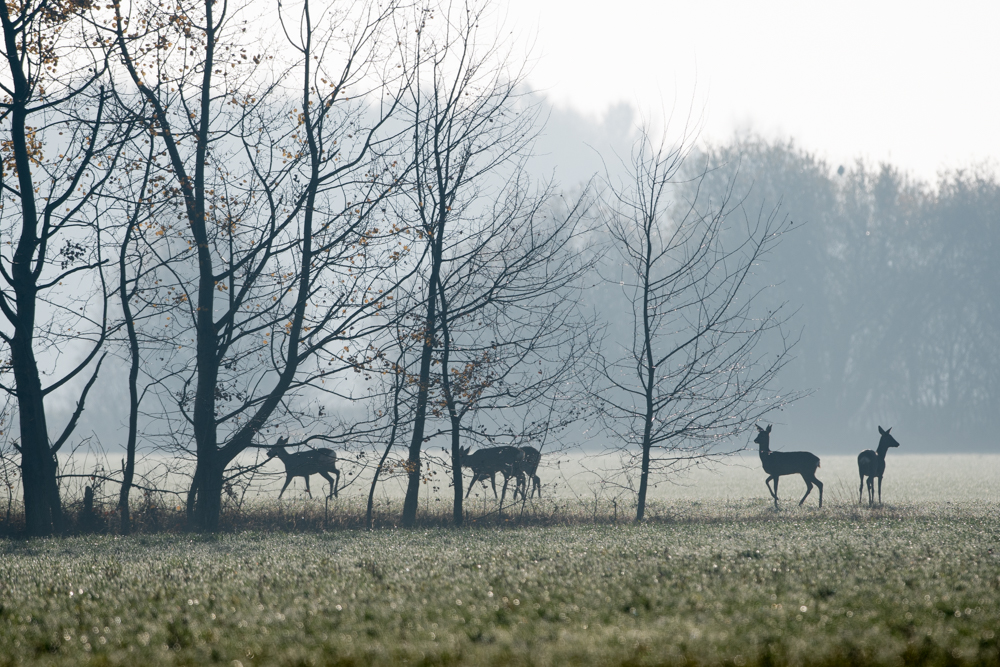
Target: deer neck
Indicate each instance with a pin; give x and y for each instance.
(882, 451)
(283, 455)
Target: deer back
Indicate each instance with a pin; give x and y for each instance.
(316, 459)
(306, 463)
(790, 463)
(871, 464)
(494, 459)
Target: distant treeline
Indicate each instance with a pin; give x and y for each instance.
(896, 282)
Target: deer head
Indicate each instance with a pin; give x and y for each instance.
(274, 451)
(763, 438)
(886, 440)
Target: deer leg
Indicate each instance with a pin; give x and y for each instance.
(861, 487)
(880, 489)
(481, 478)
(809, 488)
(288, 480)
(325, 475)
(774, 493)
(306, 477)
(819, 485)
(475, 478)
(503, 493)
(493, 481)
(536, 486)
(522, 486)
(336, 483)
(871, 491)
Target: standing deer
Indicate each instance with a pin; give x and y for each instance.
(486, 463)
(777, 464)
(304, 464)
(528, 468)
(872, 465)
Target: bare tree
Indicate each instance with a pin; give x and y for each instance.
(127, 291)
(59, 150)
(283, 261)
(699, 363)
(470, 133)
(395, 405)
(143, 256)
(512, 335)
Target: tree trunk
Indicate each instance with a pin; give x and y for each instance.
(399, 380)
(456, 472)
(206, 489)
(650, 371)
(453, 414)
(420, 417)
(369, 516)
(128, 469)
(417, 441)
(42, 506)
(640, 510)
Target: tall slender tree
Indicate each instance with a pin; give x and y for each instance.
(512, 334)
(468, 127)
(58, 150)
(695, 370)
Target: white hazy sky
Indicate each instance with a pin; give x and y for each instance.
(915, 83)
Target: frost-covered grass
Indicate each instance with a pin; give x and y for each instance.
(719, 584)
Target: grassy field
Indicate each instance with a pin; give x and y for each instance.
(732, 583)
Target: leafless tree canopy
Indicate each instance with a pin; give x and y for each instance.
(693, 374)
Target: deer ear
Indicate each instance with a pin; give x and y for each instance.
(880, 431)
(759, 429)
(769, 427)
(282, 441)
(888, 430)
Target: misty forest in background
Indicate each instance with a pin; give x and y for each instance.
(330, 226)
(893, 281)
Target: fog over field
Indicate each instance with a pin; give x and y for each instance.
(576, 479)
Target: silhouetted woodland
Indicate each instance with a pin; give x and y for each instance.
(895, 283)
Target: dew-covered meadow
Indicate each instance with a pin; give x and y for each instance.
(709, 580)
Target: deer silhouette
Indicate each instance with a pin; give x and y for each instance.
(303, 464)
(486, 463)
(872, 464)
(528, 469)
(777, 464)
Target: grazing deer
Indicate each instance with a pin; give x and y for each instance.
(486, 463)
(872, 465)
(304, 464)
(777, 464)
(528, 469)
